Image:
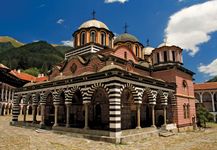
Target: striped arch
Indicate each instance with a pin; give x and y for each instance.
(92, 89)
(149, 94)
(70, 92)
(135, 92)
(171, 99)
(161, 98)
(27, 98)
(43, 96)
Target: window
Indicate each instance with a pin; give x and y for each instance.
(93, 36)
(186, 110)
(184, 85)
(103, 39)
(82, 39)
(174, 55)
(125, 55)
(158, 58)
(137, 51)
(110, 41)
(129, 46)
(165, 56)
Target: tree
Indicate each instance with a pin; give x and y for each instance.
(32, 71)
(203, 115)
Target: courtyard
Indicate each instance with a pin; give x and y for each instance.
(22, 138)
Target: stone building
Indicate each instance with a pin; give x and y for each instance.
(206, 94)
(107, 85)
(9, 81)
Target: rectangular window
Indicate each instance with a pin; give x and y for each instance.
(165, 56)
(158, 58)
(174, 55)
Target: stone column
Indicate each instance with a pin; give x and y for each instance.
(213, 106)
(34, 113)
(9, 95)
(153, 115)
(56, 115)
(201, 97)
(42, 123)
(12, 96)
(165, 114)
(24, 112)
(86, 103)
(68, 106)
(138, 116)
(2, 92)
(6, 93)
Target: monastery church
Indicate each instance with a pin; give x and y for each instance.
(107, 85)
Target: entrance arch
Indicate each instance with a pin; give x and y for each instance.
(128, 110)
(77, 114)
(62, 110)
(159, 110)
(49, 110)
(99, 110)
(145, 111)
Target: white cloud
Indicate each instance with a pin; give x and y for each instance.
(113, 1)
(68, 43)
(210, 69)
(60, 21)
(181, 0)
(192, 26)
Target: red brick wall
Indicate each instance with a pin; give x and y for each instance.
(183, 96)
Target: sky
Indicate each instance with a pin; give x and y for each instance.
(190, 24)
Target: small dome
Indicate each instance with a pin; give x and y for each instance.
(148, 50)
(93, 23)
(126, 37)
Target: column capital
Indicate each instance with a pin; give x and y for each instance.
(86, 102)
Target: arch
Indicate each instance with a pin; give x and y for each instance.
(49, 109)
(197, 97)
(93, 36)
(70, 92)
(82, 38)
(62, 109)
(76, 112)
(207, 100)
(135, 93)
(103, 38)
(160, 101)
(137, 50)
(99, 109)
(171, 103)
(128, 109)
(29, 110)
(88, 96)
(145, 111)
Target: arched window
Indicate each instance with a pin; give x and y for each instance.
(129, 46)
(93, 36)
(82, 38)
(137, 51)
(103, 38)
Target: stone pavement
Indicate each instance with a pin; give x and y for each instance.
(17, 138)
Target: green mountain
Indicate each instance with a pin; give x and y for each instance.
(5, 46)
(14, 42)
(214, 79)
(40, 55)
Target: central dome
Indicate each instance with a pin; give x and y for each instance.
(126, 37)
(93, 23)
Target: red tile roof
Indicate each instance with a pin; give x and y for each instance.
(205, 86)
(28, 77)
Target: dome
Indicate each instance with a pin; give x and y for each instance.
(164, 44)
(148, 50)
(93, 23)
(126, 37)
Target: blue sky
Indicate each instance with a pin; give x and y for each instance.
(55, 21)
